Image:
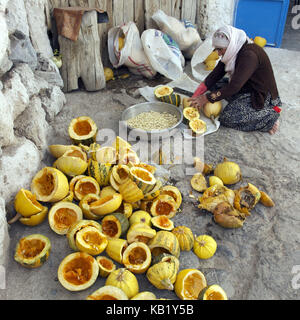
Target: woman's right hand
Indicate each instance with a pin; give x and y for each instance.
(198, 102)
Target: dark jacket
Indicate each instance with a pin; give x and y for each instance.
(253, 73)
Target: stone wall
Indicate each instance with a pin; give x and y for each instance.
(30, 97)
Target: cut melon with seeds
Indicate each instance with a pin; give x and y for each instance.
(108, 293)
(106, 266)
(83, 130)
(57, 150)
(198, 182)
(78, 271)
(115, 249)
(50, 185)
(26, 203)
(62, 215)
(91, 241)
(85, 186)
(36, 218)
(106, 205)
(84, 204)
(137, 257)
(173, 192)
(164, 205)
(189, 284)
(143, 179)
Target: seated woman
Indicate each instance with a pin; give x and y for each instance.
(251, 92)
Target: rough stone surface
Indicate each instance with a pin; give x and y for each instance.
(32, 124)
(19, 163)
(33, 84)
(254, 262)
(35, 10)
(6, 122)
(15, 93)
(53, 100)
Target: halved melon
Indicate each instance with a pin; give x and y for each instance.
(146, 166)
(76, 227)
(50, 185)
(114, 225)
(91, 240)
(26, 203)
(115, 249)
(106, 266)
(155, 192)
(137, 257)
(78, 271)
(164, 205)
(74, 180)
(120, 173)
(162, 223)
(107, 191)
(33, 250)
(131, 192)
(72, 163)
(62, 215)
(36, 218)
(162, 91)
(140, 232)
(173, 192)
(85, 186)
(144, 179)
(106, 205)
(84, 204)
(57, 150)
(108, 293)
(197, 126)
(189, 114)
(83, 130)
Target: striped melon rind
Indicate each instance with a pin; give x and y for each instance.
(144, 179)
(131, 192)
(155, 192)
(164, 241)
(100, 171)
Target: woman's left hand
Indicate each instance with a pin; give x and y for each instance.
(198, 102)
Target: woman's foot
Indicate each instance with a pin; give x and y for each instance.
(275, 127)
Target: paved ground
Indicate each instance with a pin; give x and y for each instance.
(291, 36)
(254, 262)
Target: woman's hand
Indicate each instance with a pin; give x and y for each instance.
(198, 102)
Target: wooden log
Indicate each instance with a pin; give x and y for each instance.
(139, 15)
(151, 6)
(176, 9)
(188, 10)
(78, 62)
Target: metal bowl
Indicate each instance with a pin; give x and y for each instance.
(136, 109)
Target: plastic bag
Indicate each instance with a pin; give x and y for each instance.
(197, 65)
(183, 32)
(125, 48)
(163, 53)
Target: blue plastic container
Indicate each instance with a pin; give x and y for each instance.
(264, 18)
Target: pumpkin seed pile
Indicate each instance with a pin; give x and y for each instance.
(153, 120)
(117, 218)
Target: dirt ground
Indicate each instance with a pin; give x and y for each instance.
(258, 261)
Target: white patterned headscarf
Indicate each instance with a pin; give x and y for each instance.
(233, 39)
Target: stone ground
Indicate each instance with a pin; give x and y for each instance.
(254, 262)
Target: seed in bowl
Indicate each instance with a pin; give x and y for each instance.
(152, 120)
